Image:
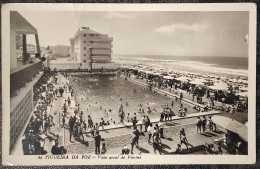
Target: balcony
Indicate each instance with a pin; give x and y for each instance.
(98, 39)
(101, 52)
(22, 75)
(100, 45)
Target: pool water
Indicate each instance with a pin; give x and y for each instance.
(99, 93)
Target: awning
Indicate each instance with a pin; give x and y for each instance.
(232, 125)
(20, 24)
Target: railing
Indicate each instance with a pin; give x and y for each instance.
(22, 75)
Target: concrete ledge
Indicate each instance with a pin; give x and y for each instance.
(129, 124)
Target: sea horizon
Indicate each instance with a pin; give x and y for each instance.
(222, 65)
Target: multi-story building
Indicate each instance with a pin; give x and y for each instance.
(90, 48)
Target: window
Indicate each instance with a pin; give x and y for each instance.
(84, 60)
(85, 35)
(85, 42)
(85, 48)
(85, 55)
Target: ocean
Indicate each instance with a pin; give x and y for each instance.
(237, 66)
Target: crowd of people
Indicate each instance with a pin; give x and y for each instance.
(199, 93)
(41, 122)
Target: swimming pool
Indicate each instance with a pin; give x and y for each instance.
(96, 94)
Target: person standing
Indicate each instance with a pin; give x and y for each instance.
(204, 121)
(162, 116)
(97, 143)
(143, 124)
(199, 122)
(147, 123)
(161, 126)
(136, 133)
(211, 124)
(122, 116)
(233, 109)
(181, 96)
(102, 123)
(71, 127)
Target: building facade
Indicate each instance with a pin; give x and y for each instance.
(88, 47)
(23, 76)
(59, 51)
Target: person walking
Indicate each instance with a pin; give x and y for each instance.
(97, 143)
(184, 140)
(150, 132)
(156, 141)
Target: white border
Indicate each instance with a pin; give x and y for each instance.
(146, 159)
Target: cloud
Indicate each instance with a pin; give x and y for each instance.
(117, 15)
(181, 27)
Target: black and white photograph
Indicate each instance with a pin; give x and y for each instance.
(122, 84)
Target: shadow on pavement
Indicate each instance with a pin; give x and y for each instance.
(212, 134)
(206, 135)
(142, 149)
(172, 124)
(169, 139)
(165, 146)
(218, 131)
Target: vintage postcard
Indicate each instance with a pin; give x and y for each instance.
(95, 84)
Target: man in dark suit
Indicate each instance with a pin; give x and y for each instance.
(97, 143)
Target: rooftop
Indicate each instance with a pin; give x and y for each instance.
(85, 31)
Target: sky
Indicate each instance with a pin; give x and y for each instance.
(173, 33)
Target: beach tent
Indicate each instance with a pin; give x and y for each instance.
(168, 77)
(232, 125)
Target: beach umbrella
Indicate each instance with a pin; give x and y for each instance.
(231, 125)
(196, 82)
(243, 94)
(219, 86)
(245, 81)
(182, 78)
(243, 89)
(148, 72)
(157, 73)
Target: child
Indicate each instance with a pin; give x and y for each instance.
(103, 148)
